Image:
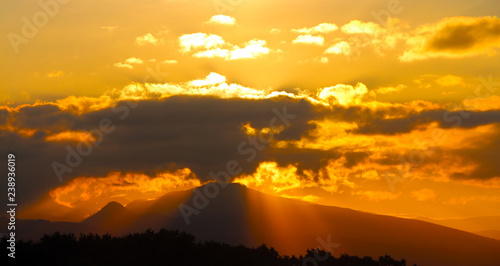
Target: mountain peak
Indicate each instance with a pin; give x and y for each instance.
(112, 210)
(113, 205)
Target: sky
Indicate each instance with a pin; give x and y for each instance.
(387, 106)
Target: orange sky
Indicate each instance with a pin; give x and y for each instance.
(390, 111)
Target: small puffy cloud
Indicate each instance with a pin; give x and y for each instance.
(390, 89)
(356, 27)
(211, 79)
(423, 194)
(309, 39)
(275, 31)
(221, 20)
(128, 63)
(133, 60)
(321, 28)
(109, 28)
(189, 42)
(322, 60)
(170, 61)
(450, 80)
(341, 47)
(454, 37)
(343, 94)
(55, 74)
(123, 65)
(251, 49)
(147, 38)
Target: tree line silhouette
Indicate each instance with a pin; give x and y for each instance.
(166, 247)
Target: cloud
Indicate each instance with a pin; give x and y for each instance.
(390, 89)
(343, 94)
(123, 65)
(189, 42)
(450, 80)
(98, 191)
(147, 38)
(110, 28)
(175, 126)
(341, 47)
(250, 50)
(482, 104)
(211, 79)
(221, 20)
(55, 74)
(357, 27)
(423, 194)
(454, 37)
(309, 39)
(444, 118)
(319, 29)
(170, 61)
(133, 60)
(71, 136)
(129, 62)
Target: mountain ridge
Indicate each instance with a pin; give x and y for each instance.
(240, 215)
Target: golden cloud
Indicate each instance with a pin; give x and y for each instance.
(341, 47)
(71, 136)
(321, 28)
(97, 191)
(356, 27)
(221, 20)
(147, 38)
(454, 37)
(343, 94)
(250, 50)
(309, 39)
(482, 104)
(189, 42)
(450, 80)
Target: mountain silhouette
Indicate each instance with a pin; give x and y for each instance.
(236, 214)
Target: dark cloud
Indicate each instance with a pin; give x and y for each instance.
(4, 114)
(446, 119)
(45, 117)
(486, 158)
(463, 34)
(201, 133)
(204, 133)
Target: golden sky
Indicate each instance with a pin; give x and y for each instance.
(393, 106)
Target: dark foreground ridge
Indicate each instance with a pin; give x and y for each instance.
(166, 248)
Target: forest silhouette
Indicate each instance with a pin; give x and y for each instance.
(167, 247)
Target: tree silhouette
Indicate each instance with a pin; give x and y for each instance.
(166, 247)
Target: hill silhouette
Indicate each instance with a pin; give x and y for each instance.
(239, 215)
